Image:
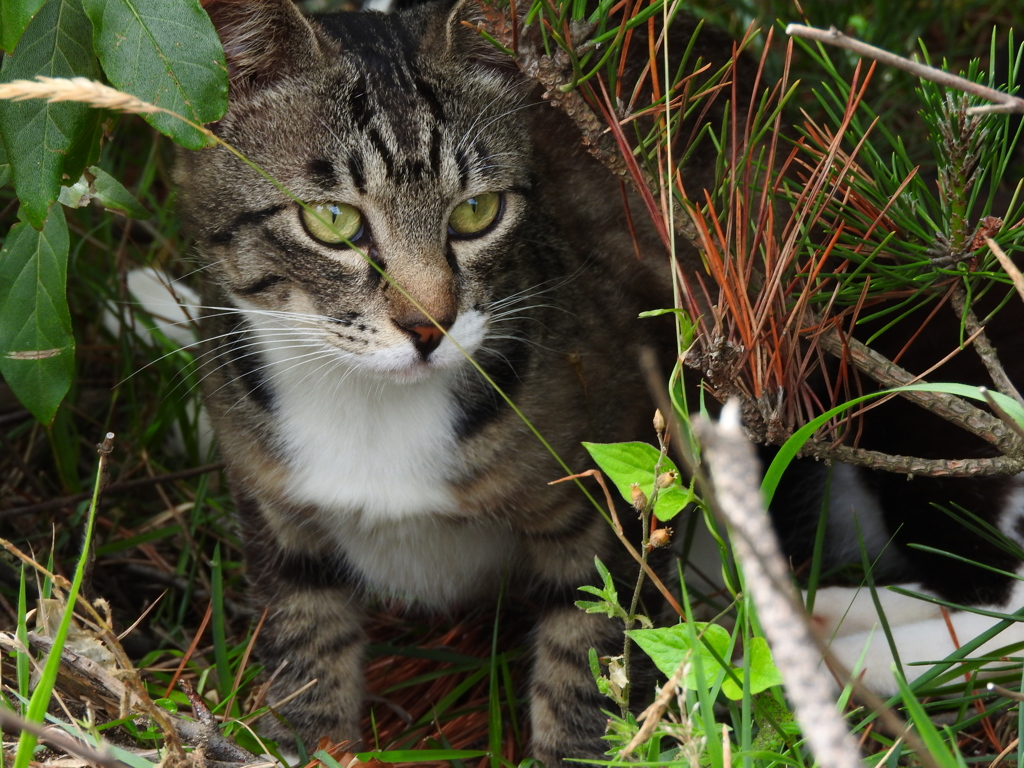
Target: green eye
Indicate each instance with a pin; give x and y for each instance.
(473, 216)
(333, 223)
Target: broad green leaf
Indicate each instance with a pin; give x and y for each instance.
(37, 350)
(669, 646)
(763, 672)
(48, 141)
(14, 18)
(166, 53)
(629, 463)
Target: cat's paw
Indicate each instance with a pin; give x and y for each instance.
(842, 611)
(920, 633)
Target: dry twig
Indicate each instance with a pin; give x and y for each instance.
(737, 495)
(1002, 102)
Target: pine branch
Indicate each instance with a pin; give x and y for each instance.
(984, 348)
(949, 407)
(910, 465)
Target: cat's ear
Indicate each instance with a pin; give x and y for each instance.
(263, 40)
(465, 44)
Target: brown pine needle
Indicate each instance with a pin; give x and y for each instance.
(78, 89)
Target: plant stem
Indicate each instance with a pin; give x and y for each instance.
(645, 542)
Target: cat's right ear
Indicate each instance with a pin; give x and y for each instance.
(464, 43)
(264, 40)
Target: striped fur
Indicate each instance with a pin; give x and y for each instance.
(368, 464)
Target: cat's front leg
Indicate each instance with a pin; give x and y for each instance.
(566, 716)
(841, 611)
(314, 635)
(848, 621)
(313, 631)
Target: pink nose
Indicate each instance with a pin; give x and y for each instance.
(426, 338)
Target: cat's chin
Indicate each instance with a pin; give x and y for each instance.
(402, 372)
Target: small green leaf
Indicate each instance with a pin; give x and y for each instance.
(15, 16)
(609, 605)
(45, 141)
(629, 463)
(100, 185)
(114, 197)
(37, 349)
(669, 646)
(763, 672)
(167, 54)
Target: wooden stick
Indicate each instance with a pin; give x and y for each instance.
(1002, 102)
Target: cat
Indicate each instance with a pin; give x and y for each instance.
(369, 460)
(449, 214)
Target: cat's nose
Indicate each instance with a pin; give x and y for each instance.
(426, 336)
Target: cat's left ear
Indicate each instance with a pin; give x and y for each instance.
(264, 40)
(465, 44)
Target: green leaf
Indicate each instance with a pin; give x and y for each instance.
(114, 197)
(48, 141)
(763, 672)
(15, 16)
(100, 185)
(669, 646)
(167, 54)
(37, 350)
(629, 463)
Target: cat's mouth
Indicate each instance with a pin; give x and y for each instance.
(427, 352)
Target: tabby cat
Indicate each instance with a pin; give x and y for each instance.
(449, 213)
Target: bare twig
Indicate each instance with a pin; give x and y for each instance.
(1015, 695)
(999, 411)
(58, 739)
(953, 409)
(737, 492)
(104, 687)
(1002, 102)
(985, 350)
(205, 732)
(1008, 266)
(991, 466)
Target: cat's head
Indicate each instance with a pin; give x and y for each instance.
(400, 169)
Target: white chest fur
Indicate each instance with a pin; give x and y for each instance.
(358, 444)
(377, 458)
